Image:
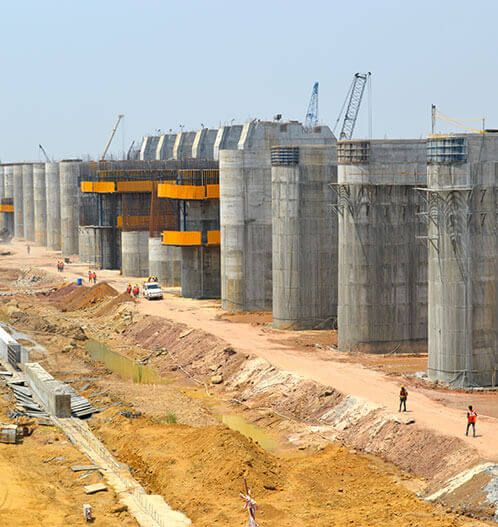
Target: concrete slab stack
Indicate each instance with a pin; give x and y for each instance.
(245, 211)
(28, 202)
(304, 237)
(40, 203)
(18, 202)
(463, 266)
(382, 299)
(53, 201)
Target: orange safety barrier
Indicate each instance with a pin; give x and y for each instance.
(6, 208)
(168, 190)
(214, 237)
(86, 186)
(181, 238)
(213, 191)
(104, 186)
(134, 186)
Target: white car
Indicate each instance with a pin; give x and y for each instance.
(152, 291)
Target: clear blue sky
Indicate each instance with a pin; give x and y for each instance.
(68, 68)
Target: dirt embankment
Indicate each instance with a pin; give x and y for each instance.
(200, 470)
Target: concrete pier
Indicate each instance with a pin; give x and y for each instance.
(183, 145)
(40, 203)
(463, 267)
(382, 299)
(165, 262)
(203, 145)
(304, 237)
(28, 202)
(53, 201)
(200, 272)
(70, 171)
(165, 146)
(18, 202)
(135, 253)
(8, 217)
(245, 211)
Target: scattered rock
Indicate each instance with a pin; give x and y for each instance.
(216, 379)
(121, 508)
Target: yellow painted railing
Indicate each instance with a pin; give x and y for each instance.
(6, 208)
(181, 238)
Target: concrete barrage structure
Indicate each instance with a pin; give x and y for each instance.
(40, 203)
(53, 204)
(463, 266)
(18, 201)
(304, 234)
(382, 258)
(28, 202)
(246, 210)
(8, 200)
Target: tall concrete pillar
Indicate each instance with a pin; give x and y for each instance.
(9, 197)
(28, 202)
(304, 237)
(165, 262)
(53, 204)
(200, 272)
(245, 210)
(18, 202)
(382, 299)
(165, 146)
(463, 266)
(69, 197)
(135, 253)
(40, 202)
(2, 181)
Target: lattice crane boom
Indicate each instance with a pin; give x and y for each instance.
(311, 118)
(353, 98)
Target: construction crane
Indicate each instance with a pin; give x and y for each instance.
(311, 118)
(44, 153)
(353, 101)
(120, 116)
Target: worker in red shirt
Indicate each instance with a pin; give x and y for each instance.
(403, 396)
(471, 420)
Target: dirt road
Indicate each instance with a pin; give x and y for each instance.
(323, 366)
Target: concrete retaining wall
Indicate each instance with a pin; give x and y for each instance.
(52, 393)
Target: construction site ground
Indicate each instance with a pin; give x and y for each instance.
(210, 367)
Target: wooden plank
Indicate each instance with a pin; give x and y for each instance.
(97, 487)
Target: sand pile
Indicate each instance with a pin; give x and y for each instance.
(111, 305)
(81, 297)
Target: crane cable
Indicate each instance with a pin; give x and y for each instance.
(457, 122)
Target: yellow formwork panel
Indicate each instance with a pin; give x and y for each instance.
(134, 186)
(213, 191)
(181, 238)
(6, 208)
(214, 237)
(167, 190)
(133, 221)
(104, 186)
(86, 186)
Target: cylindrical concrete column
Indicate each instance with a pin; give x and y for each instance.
(18, 202)
(200, 272)
(382, 298)
(463, 259)
(304, 237)
(70, 191)
(53, 201)
(245, 224)
(9, 195)
(28, 202)
(165, 262)
(135, 253)
(40, 202)
(2, 181)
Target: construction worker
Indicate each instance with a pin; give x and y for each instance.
(28, 249)
(136, 290)
(471, 420)
(94, 277)
(403, 395)
(89, 275)
(128, 288)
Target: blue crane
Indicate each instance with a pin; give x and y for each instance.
(311, 118)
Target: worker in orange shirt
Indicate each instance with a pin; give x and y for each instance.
(471, 420)
(403, 395)
(128, 288)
